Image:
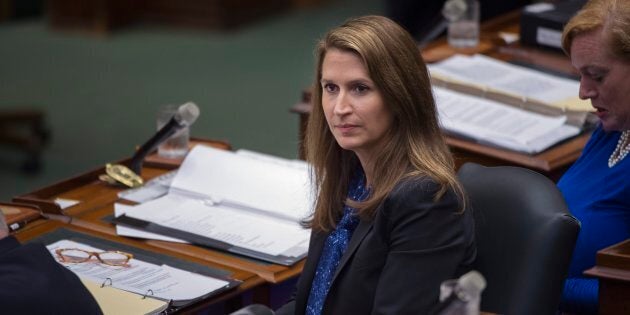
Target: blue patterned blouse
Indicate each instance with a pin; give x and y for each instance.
(335, 246)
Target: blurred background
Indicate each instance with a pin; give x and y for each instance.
(81, 80)
(87, 77)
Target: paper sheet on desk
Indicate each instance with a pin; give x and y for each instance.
(498, 124)
(491, 74)
(164, 281)
(249, 182)
(155, 188)
(64, 203)
(297, 164)
(238, 227)
(120, 209)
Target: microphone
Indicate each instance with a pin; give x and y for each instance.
(435, 30)
(466, 290)
(451, 11)
(185, 116)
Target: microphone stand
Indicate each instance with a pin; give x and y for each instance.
(164, 133)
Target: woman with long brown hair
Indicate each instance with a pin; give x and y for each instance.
(389, 223)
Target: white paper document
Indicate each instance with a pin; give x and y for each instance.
(234, 226)
(155, 188)
(250, 202)
(299, 164)
(120, 209)
(165, 282)
(66, 203)
(491, 74)
(226, 177)
(499, 124)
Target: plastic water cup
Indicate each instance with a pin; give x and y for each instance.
(177, 145)
(463, 26)
(449, 287)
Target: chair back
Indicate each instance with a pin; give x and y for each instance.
(525, 238)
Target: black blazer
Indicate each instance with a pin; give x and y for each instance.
(34, 283)
(395, 263)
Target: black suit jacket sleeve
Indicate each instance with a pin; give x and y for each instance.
(428, 242)
(394, 263)
(34, 283)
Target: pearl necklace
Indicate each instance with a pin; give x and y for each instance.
(622, 149)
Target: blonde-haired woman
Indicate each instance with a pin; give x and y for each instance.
(389, 223)
(597, 186)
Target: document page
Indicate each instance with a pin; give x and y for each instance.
(499, 124)
(492, 74)
(165, 282)
(299, 164)
(156, 187)
(239, 228)
(120, 209)
(226, 177)
(113, 301)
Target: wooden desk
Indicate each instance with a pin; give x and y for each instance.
(96, 208)
(48, 231)
(552, 162)
(613, 271)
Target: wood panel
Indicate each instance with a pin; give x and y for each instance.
(96, 16)
(103, 16)
(213, 14)
(613, 270)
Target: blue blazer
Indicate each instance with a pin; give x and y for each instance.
(395, 263)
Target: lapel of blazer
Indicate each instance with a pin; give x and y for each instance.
(357, 237)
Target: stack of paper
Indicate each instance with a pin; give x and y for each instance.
(512, 85)
(496, 124)
(246, 203)
(179, 287)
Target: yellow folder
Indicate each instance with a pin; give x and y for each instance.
(120, 302)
